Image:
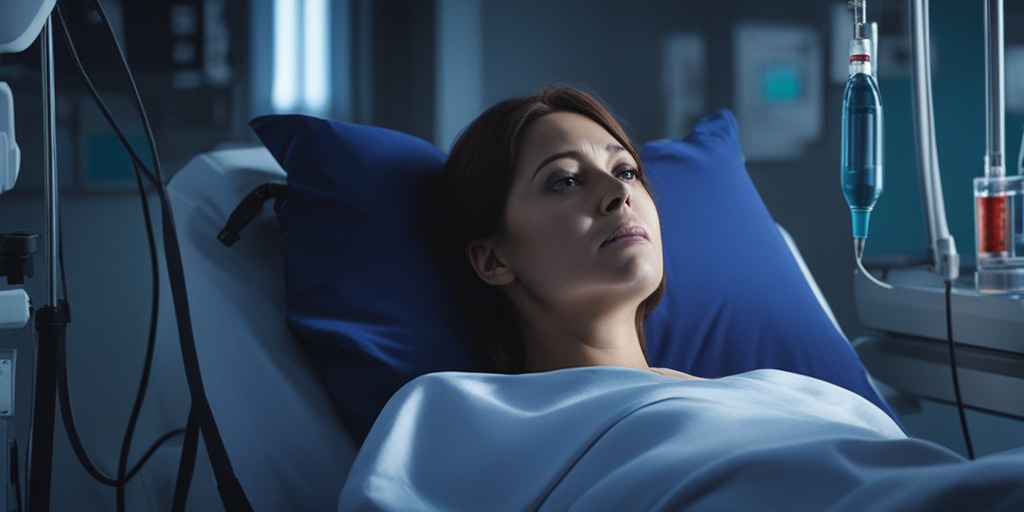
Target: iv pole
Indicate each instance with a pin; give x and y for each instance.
(52, 319)
(995, 96)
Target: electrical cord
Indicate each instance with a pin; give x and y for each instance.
(121, 480)
(15, 480)
(136, 160)
(147, 366)
(858, 253)
(123, 474)
(76, 442)
(231, 492)
(955, 373)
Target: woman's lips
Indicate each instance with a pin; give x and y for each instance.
(626, 235)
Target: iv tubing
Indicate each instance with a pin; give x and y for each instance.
(858, 252)
(945, 259)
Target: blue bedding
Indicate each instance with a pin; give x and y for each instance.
(607, 438)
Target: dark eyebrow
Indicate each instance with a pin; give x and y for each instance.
(610, 148)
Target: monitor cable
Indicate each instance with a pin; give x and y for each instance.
(124, 474)
(232, 494)
(953, 369)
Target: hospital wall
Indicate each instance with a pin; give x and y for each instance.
(428, 67)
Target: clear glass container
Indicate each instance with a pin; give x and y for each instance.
(999, 239)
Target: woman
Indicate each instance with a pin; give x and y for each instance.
(553, 234)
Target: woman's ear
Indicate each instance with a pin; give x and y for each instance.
(486, 260)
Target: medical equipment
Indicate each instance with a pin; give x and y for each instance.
(10, 154)
(16, 250)
(941, 245)
(861, 155)
(14, 309)
(8, 358)
(998, 197)
(914, 306)
(17, 31)
(19, 26)
(925, 303)
(22, 22)
(777, 70)
(200, 420)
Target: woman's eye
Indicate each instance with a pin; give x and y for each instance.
(626, 173)
(566, 182)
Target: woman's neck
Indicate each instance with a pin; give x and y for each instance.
(564, 341)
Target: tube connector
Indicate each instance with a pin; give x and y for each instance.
(860, 218)
(947, 260)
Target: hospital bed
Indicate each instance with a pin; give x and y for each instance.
(287, 439)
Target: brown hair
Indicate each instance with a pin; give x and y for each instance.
(470, 201)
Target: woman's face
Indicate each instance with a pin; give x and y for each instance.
(580, 226)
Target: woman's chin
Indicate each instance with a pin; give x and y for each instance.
(644, 272)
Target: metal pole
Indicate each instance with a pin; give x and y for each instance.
(50, 182)
(51, 318)
(995, 97)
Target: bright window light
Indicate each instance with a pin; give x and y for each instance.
(301, 80)
(316, 84)
(285, 91)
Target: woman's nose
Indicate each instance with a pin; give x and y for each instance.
(615, 196)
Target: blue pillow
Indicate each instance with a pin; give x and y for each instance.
(735, 299)
(362, 290)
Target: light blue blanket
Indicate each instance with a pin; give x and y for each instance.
(606, 438)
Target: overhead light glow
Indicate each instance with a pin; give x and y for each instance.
(301, 80)
(285, 90)
(316, 85)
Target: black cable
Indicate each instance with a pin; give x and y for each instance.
(151, 451)
(121, 480)
(76, 442)
(15, 480)
(231, 492)
(953, 369)
(73, 53)
(133, 88)
(189, 448)
(147, 365)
